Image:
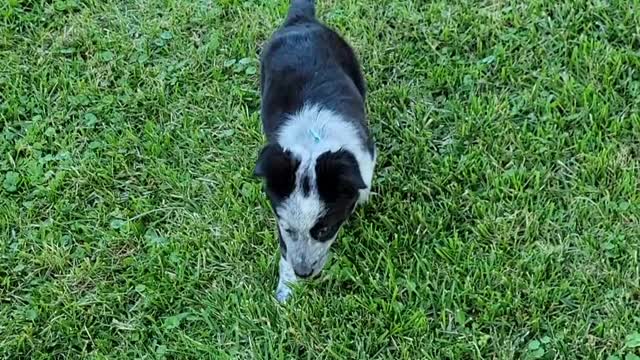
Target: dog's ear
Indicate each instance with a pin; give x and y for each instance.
(278, 167)
(338, 175)
(266, 154)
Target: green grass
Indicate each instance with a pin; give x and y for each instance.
(506, 222)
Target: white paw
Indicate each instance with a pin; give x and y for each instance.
(283, 293)
(363, 196)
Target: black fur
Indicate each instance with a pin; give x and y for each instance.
(283, 246)
(339, 180)
(306, 62)
(301, 11)
(306, 185)
(338, 176)
(278, 167)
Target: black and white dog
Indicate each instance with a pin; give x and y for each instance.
(319, 160)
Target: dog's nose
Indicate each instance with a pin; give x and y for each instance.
(304, 275)
(303, 271)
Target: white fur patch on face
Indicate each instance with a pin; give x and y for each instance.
(298, 213)
(296, 217)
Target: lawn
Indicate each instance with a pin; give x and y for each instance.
(505, 221)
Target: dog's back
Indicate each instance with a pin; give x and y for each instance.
(305, 62)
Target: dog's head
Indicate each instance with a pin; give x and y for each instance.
(311, 200)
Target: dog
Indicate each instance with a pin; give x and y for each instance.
(319, 161)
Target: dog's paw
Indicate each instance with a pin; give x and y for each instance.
(363, 196)
(283, 293)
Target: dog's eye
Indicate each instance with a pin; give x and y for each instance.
(322, 232)
(288, 231)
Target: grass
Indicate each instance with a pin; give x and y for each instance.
(506, 222)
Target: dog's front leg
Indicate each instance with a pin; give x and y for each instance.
(363, 196)
(287, 278)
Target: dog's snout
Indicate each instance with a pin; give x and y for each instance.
(303, 270)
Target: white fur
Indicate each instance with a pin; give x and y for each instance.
(335, 133)
(287, 278)
(299, 212)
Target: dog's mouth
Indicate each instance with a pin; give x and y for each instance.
(319, 266)
(314, 275)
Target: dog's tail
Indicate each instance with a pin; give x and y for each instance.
(301, 11)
